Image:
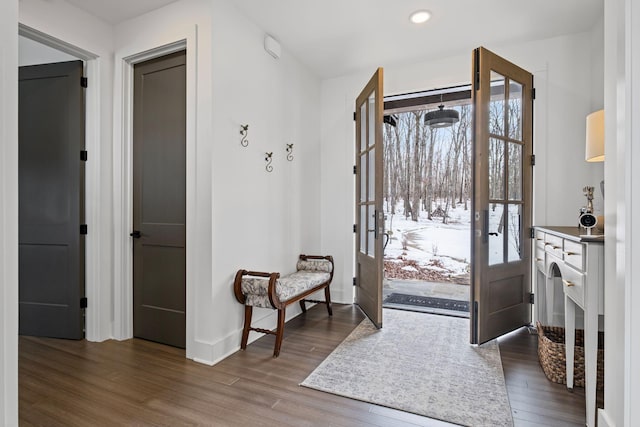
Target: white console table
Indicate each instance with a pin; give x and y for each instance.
(579, 261)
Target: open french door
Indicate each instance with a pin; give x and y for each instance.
(503, 149)
(369, 213)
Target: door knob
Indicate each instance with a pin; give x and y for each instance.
(135, 234)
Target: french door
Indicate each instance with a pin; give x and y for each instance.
(502, 192)
(369, 213)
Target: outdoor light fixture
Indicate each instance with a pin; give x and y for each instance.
(441, 118)
(420, 16)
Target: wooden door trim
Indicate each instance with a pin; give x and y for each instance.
(123, 181)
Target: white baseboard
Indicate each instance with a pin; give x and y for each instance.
(604, 420)
(212, 353)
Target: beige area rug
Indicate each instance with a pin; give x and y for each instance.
(419, 363)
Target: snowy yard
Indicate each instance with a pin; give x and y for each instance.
(431, 250)
(428, 249)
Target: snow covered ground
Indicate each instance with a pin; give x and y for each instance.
(429, 249)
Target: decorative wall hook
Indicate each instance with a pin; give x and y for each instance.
(268, 159)
(244, 130)
(290, 152)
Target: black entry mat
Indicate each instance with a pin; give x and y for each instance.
(432, 302)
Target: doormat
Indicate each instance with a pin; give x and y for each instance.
(431, 302)
(419, 363)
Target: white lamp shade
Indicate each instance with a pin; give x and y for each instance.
(595, 137)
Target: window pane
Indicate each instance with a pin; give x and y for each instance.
(515, 233)
(496, 169)
(372, 175)
(515, 111)
(496, 107)
(363, 229)
(515, 171)
(496, 234)
(370, 232)
(363, 177)
(372, 120)
(363, 127)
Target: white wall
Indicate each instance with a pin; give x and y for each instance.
(261, 220)
(242, 216)
(32, 53)
(622, 270)
(8, 213)
(564, 98)
(75, 29)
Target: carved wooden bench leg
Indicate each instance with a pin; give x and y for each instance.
(279, 332)
(248, 311)
(327, 297)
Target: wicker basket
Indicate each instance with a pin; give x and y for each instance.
(551, 353)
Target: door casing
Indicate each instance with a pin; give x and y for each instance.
(97, 316)
(123, 180)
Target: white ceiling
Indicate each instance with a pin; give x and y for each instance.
(336, 37)
(116, 11)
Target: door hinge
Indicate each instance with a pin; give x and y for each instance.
(84, 82)
(533, 160)
(83, 302)
(532, 232)
(532, 298)
(533, 93)
(83, 155)
(354, 116)
(354, 228)
(83, 228)
(355, 169)
(354, 281)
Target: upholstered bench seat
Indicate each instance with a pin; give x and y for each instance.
(256, 290)
(269, 290)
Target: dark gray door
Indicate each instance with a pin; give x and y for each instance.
(159, 199)
(51, 205)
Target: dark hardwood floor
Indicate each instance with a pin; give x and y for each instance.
(136, 382)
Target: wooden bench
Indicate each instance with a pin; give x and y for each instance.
(269, 290)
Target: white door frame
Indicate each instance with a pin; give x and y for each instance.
(123, 178)
(93, 281)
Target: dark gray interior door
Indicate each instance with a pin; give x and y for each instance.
(159, 200)
(51, 200)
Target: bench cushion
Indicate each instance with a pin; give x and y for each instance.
(314, 265)
(256, 289)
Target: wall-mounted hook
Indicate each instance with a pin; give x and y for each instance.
(244, 130)
(268, 159)
(290, 152)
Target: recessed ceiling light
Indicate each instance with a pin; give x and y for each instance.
(420, 16)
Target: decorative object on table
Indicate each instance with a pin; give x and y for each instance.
(244, 130)
(587, 219)
(436, 372)
(290, 152)
(268, 158)
(551, 354)
(588, 192)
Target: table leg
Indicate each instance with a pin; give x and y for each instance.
(569, 337)
(590, 365)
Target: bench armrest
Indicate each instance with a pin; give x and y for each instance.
(237, 284)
